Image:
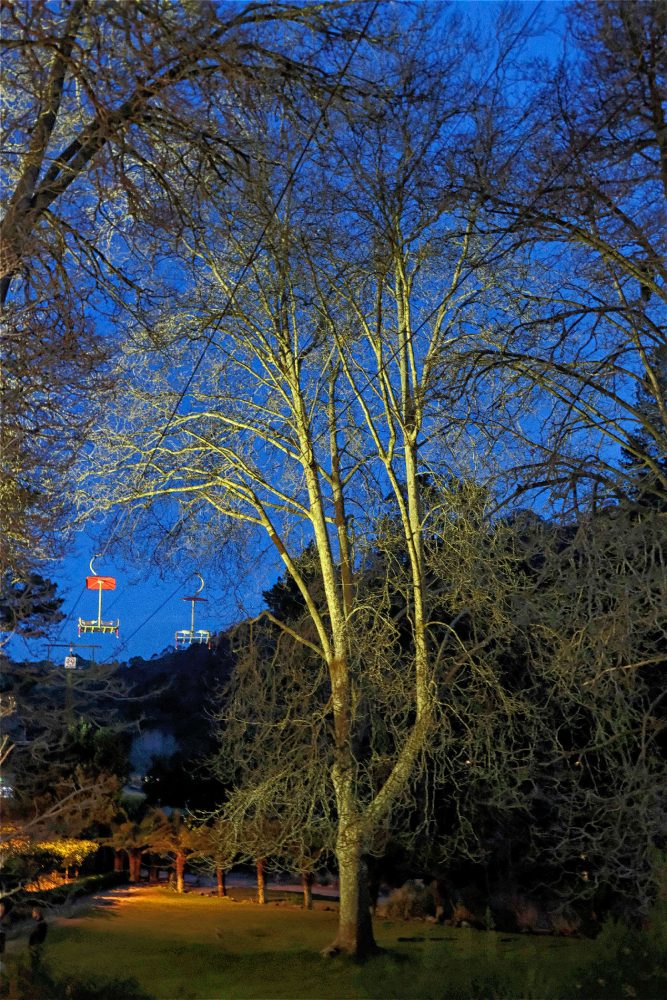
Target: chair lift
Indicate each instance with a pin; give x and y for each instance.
(187, 637)
(99, 583)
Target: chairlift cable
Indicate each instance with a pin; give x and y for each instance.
(123, 513)
(124, 644)
(248, 264)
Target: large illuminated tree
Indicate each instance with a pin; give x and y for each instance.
(316, 399)
(310, 392)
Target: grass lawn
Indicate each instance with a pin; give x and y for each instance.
(196, 947)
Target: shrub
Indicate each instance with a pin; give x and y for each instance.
(412, 901)
(41, 984)
(69, 891)
(630, 963)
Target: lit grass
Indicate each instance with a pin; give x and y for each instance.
(197, 947)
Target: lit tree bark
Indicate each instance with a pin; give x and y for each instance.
(220, 878)
(179, 863)
(260, 868)
(135, 855)
(307, 879)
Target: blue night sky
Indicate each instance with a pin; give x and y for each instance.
(149, 605)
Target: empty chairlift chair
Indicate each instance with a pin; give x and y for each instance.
(186, 637)
(99, 583)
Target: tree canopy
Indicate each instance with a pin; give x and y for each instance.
(389, 290)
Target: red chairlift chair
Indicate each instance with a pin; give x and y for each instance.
(99, 583)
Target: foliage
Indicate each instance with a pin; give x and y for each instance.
(31, 860)
(61, 720)
(28, 606)
(412, 900)
(171, 694)
(42, 984)
(629, 963)
(67, 851)
(68, 892)
(67, 753)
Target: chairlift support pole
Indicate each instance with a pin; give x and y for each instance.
(71, 646)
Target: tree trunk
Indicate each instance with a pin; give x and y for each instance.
(134, 854)
(355, 925)
(307, 879)
(118, 861)
(222, 884)
(261, 880)
(180, 872)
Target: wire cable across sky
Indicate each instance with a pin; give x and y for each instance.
(333, 93)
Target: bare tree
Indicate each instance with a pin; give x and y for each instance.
(578, 188)
(317, 397)
(275, 750)
(114, 116)
(328, 396)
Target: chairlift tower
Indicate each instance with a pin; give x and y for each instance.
(69, 662)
